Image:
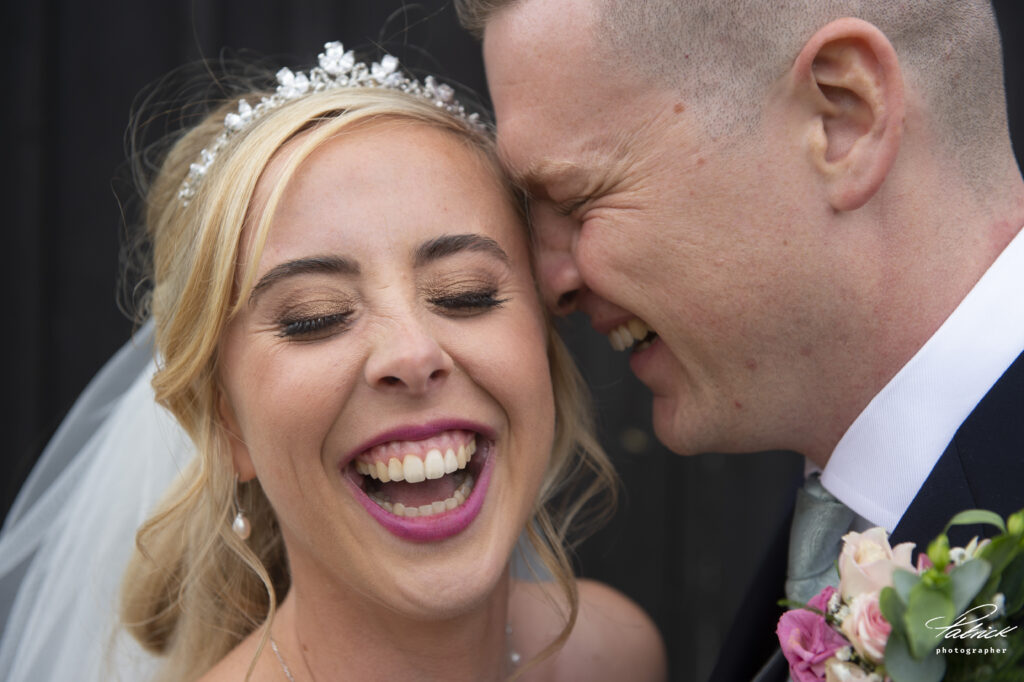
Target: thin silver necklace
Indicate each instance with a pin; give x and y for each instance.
(513, 655)
(284, 666)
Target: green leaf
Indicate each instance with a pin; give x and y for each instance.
(934, 577)
(968, 578)
(892, 608)
(1012, 585)
(903, 582)
(1000, 552)
(901, 666)
(1015, 523)
(795, 605)
(926, 604)
(938, 551)
(971, 516)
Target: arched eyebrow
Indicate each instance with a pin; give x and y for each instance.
(428, 252)
(331, 265)
(450, 244)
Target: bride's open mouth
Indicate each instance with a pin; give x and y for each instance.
(424, 489)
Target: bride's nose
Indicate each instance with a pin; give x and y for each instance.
(407, 358)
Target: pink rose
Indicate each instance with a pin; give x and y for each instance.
(807, 642)
(866, 628)
(820, 600)
(867, 562)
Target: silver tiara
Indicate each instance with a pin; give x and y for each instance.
(337, 69)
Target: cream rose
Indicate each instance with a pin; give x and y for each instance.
(840, 671)
(867, 562)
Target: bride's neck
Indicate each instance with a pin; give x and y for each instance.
(339, 635)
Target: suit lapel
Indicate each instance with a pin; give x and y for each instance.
(982, 467)
(944, 492)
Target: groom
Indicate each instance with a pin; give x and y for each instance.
(803, 218)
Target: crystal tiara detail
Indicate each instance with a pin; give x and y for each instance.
(337, 69)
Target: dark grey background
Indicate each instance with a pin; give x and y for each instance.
(688, 530)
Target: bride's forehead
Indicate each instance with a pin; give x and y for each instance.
(382, 162)
(385, 189)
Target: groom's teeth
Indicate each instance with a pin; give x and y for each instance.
(616, 339)
(638, 329)
(623, 336)
(414, 468)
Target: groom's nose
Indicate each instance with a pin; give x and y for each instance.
(560, 281)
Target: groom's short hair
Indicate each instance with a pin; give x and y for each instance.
(722, 55)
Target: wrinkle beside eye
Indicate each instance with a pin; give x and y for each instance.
(568, 209)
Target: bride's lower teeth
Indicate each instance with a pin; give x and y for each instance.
(436, 507)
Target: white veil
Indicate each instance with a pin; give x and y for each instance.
(68, 537)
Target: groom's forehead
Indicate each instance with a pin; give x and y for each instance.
(539, 37)
(565, 16)
(560, 149)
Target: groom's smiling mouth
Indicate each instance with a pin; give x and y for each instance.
(634, 334)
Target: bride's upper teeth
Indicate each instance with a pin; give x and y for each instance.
(415, 466)
(623, 336)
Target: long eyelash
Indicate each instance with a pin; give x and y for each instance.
(469, 300)
(311, 325)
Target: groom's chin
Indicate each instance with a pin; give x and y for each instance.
(686, 429)
(673, 427)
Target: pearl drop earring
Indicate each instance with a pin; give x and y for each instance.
(240, 525)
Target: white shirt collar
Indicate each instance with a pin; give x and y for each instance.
(887, 453)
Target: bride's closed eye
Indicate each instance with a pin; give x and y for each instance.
(313, 327)
(310, 320)
(469, 302)
(465, 299)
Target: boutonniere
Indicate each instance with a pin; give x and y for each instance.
(955, 615)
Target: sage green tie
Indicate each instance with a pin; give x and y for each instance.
(815, 538)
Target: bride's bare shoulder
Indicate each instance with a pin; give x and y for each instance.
(614, 639)
(235, 666)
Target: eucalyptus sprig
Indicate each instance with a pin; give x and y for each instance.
(968, 598)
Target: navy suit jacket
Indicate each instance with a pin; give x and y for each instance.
(982, 467)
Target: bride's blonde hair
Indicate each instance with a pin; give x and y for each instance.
(193, 590)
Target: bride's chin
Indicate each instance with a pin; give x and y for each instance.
(451, 589)
(457, 575)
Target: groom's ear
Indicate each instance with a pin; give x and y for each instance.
(239, 450)
(848, 85)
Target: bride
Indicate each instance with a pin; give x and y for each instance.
(347, 328)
